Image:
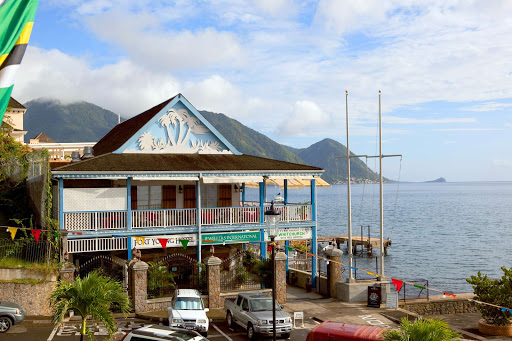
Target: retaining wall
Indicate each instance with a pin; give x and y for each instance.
(448, 306)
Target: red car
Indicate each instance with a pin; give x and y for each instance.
(336, 331)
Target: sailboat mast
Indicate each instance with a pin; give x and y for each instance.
(349, 205)
(381, 194)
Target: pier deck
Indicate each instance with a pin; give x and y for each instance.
(368, 243)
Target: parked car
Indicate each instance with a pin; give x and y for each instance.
(338, 331)
(253, 312)
(152, 332)
(10, 314)
(187, 311)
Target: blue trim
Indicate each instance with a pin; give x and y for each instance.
(128, 246)
(171, 104)
(129, 205)
(286, 197)
(263, 250)
(156, 176)
(313, 241)
(61, 204)
(243, 191)
(198, 206)
(286, 244)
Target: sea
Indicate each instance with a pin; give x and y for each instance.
(441, 233)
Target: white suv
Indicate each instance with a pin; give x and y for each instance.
(162, 333)
(187, 311)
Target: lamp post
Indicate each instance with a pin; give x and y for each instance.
(272, 221)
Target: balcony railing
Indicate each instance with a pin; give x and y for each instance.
(158, 218)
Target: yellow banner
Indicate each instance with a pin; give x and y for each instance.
(13, 231)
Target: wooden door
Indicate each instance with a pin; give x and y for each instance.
(134, 197)
(189, 196)
(224, 196)
(169, 196)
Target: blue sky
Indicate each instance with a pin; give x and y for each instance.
(282, 67)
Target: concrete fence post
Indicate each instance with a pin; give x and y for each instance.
(281, 277)
(67, 272)
(213, 273)
(139, 285)
(334, 271)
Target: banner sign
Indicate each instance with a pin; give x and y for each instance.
(294, 233)
(230, 237)
(153, 242)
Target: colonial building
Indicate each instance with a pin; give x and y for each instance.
(12, 122)
(168, 179)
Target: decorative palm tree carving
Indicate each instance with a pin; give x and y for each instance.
(146, 141)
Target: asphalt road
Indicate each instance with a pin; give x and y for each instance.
(30, 331)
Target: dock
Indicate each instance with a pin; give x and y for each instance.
(367, 243)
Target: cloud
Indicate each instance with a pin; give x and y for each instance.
(488, 106)
(468, 129)
(305, 117)
(502, 162)
(409, 120)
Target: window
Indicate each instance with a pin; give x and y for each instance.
(209, 195)
(149, 197)
(245, 305)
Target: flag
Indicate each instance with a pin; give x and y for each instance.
(397, 284)
(140, 240)
(163, 242)
(16, 20)
(13, 231)
(184, 242)
(36, 234)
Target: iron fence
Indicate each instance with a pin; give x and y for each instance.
(242, 272)
(27, 250)
(418, 289)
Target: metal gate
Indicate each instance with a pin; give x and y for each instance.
(238, 272)
(186, 273)
(107, 266)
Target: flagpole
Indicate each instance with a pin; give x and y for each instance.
(349, 204)
(381, 250)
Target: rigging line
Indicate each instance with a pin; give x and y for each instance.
(396, 197)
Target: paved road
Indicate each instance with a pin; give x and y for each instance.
(30, 331)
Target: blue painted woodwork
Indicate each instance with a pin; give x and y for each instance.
(243, 192)
(286, 244)
(285, 191)
(183, 141)
(313, 242)
(128, 246)
(129, 205)
(263, 249)
(198, 206)
(61, 203)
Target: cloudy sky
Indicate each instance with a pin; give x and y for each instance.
(282, 67)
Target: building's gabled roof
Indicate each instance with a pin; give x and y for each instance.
(43, 138)
(15, 104)
(181, 163)
(122, 132)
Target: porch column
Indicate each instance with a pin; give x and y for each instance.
(129, 215)
(313, 241)
(61, 203)
(285, 191)
(243, 192)
(287, 242)
(281, 277)
(67, 272)
(139, 285)
(213, 273)
(199, 234)
(333, 270)
(263, 250)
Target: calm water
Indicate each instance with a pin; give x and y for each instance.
(442, 233)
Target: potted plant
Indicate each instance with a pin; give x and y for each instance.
(420, 329)
(497, 292)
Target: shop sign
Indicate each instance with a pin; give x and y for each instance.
(152, 242)
(294, 233)
(230, 238)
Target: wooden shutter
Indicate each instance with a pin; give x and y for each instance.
(168, 196)
(134, 197)
(189, 196)
(224, 196)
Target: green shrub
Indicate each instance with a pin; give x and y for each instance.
(421, 330)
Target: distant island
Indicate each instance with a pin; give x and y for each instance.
(438, 180)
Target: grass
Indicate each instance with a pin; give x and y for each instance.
(43, 268)
(24, 281)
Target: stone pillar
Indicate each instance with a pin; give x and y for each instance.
(334, 271)
(67, 272)
(213, 273)
(281, 277)
(139, 285)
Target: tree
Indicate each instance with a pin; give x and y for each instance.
(421, 330)
(92, 297)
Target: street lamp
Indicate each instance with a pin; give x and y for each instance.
(272, 221)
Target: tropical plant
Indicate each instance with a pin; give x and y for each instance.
(497, 292)
(241, 275)
(421, 330)
(160, 280)
(91, 297)
(263, 269)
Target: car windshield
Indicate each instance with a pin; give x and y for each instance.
(263, 304)
(188, 303)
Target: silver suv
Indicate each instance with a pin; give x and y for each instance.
(187, 311)
(162, 333)
(10, 314)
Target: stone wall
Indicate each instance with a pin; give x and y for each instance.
(33, 298)
(453, 306)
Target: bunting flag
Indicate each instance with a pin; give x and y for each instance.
(56, 234)
(505, 310)
(351, 267)
(184, 242)
(447, 294)
(16, 21)
(289, 248)
(397, 284)
(13, 231)
(419, 287)
(140, 240)
(371, 273)
(36, 234)
(163, 242)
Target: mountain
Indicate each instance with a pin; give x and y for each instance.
(87, 122)
(442, 180)
(74, 122)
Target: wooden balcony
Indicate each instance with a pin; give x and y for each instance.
(180, 217)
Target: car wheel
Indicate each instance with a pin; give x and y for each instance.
(229, 320)
(5, 324)
(205, 334)
(286, 335)
(251, 335)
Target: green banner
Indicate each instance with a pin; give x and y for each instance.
(231, 237)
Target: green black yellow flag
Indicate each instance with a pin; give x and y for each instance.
(16, 20)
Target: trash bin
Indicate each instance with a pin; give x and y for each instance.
(374, 296)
